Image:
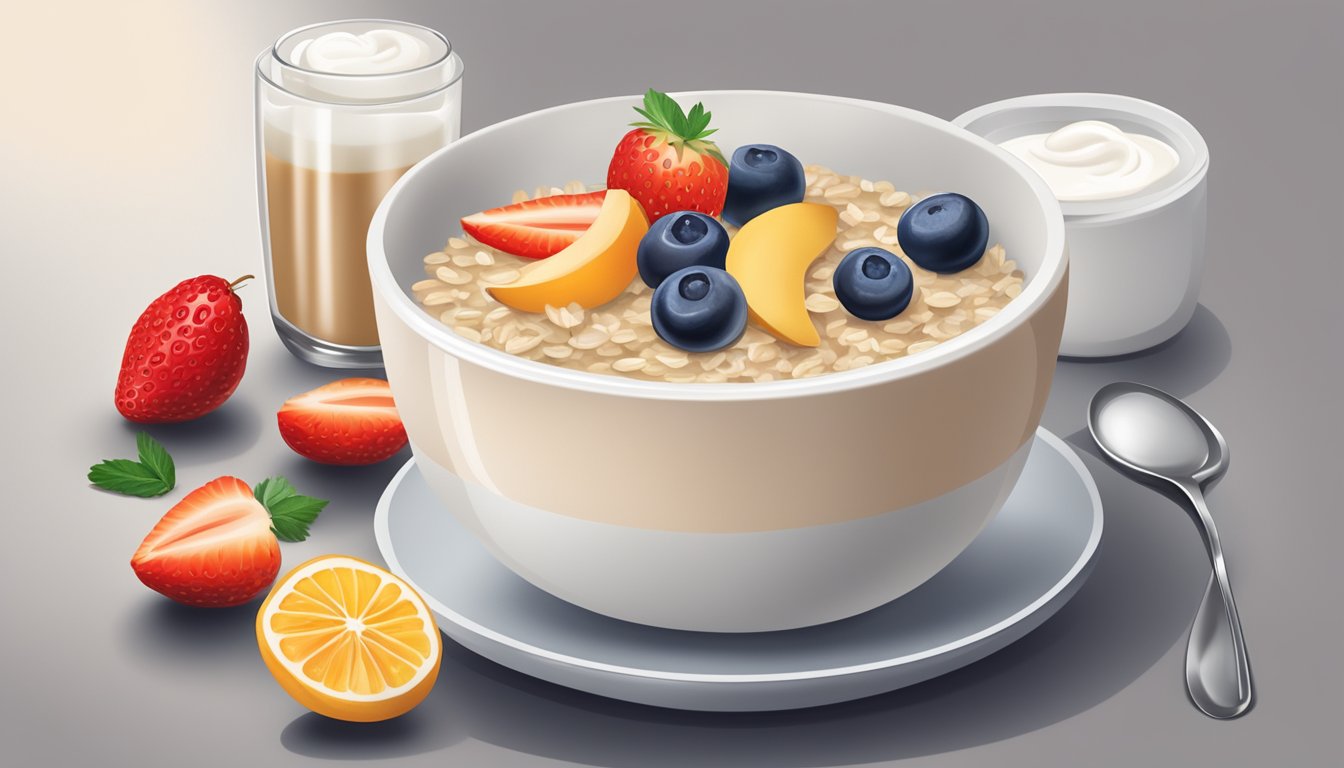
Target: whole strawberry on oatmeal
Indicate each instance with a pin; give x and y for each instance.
(668, 163)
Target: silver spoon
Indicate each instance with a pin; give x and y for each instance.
(1156, 436)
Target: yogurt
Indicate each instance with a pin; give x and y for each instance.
(375, 52)
(1095, 160)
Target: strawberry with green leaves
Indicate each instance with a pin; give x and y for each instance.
(220, 546)
(667, 162)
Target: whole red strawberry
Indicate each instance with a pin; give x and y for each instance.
(666, 162)
(186, 353)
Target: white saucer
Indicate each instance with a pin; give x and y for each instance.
(1027, 563)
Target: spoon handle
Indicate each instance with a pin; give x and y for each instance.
(1217, 669)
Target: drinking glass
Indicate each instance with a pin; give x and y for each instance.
(333, 133)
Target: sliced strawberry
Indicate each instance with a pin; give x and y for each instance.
(214, 548)
(350, 421)
(219, 546)
(535, 229)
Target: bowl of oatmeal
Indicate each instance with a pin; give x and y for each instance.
(806, 464)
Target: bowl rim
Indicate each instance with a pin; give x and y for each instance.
(1054, 266)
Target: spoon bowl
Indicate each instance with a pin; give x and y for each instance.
(1156, 435)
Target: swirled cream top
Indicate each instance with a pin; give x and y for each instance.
(375, 52)
(1094, 160)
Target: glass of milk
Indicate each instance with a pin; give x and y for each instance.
(343, 109)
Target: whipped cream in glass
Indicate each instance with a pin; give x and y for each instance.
(375, 52)
(1095, 160)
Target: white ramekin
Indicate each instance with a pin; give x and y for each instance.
(1136, 261)
(723, 507)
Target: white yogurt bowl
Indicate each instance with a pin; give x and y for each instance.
(1137, 260)
(723, 507)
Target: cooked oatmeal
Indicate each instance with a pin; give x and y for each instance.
(617, 338)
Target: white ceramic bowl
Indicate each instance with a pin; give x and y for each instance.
(723, 507)
(1136, 261)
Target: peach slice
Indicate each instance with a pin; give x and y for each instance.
(770, 256)
(592, 270)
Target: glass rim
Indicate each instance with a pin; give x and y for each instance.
(265, 77)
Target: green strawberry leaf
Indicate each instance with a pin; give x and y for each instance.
(662, 115)
(699, 121)
(696, 112)
(156, 459)
(291, 513)
(152, 475)
(656, 103)
(290, 518)
(664, 111)
(272, 490)
(652, 121)
(680, 126)
(130, 478)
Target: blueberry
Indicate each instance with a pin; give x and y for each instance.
(943, 233)
(761, 177)
(873, 284)
(679, 240)
(699, 309)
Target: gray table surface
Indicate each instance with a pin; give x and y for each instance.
(127, 166)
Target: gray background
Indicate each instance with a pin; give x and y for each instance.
(127, 166)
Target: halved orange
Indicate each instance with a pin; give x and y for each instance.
(349, 640)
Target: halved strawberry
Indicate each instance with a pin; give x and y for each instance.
(535, 229)
(349, 421)
(217, 547)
